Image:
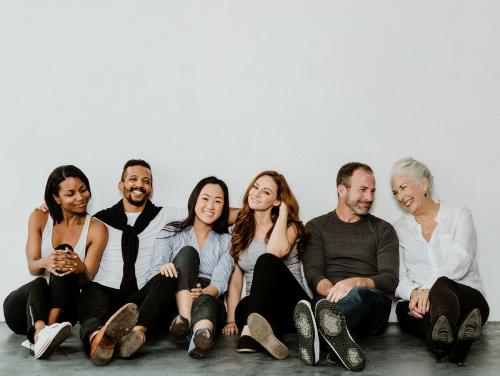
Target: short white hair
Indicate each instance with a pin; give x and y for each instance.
(413, 169)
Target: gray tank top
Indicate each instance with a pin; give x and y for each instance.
(256, 248)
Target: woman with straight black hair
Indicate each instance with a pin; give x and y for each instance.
(45, 308)
(195, 252)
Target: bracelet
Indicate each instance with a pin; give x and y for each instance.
(230, 323)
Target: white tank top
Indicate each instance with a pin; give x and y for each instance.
(79, 248)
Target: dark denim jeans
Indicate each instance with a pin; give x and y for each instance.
(366, 311)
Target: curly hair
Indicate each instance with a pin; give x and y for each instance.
(244, 226)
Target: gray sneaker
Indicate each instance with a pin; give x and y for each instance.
(262, 332)
(332, 327)
(308, 333)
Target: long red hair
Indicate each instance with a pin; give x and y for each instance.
(244, 226)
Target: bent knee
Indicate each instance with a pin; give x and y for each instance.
(366, 295)
(267, 259)
(186, 255)
(441, 284)
(40, 282)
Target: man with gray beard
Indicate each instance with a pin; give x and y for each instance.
(351, 264)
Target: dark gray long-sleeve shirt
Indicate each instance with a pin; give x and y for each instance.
(338, 250)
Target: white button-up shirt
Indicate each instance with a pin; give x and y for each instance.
(450, 252)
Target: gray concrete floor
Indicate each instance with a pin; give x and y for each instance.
(393, 353)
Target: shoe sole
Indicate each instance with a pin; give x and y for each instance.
(118, 325)
(308, 333)
(179, 331)
(471, 327)
(261, 331)
(441, 332)
(131, 343)
(202, 346)
(333, 329)
(63, 333)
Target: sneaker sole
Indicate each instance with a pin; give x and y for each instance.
(441, 332)
(63, 333)
(333, 329)
(471, 327)
(308, 333)
(118, 325)
(261, 331)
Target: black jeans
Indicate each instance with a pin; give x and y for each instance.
(33, 301)
(274, 294)
(156, 300)
(207, 307)
(447, 298)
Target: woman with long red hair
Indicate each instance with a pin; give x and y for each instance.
(264, 246)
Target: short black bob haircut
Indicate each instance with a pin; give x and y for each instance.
(56, 177)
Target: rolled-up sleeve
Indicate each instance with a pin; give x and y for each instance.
(222, 273)
(162, 251)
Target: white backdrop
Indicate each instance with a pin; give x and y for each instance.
(231, 88)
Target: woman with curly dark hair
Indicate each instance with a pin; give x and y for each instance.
(264, 246)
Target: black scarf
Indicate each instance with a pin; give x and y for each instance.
(115, 217)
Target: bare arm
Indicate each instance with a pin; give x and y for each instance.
(283, 236)
(97, 240)
(36, 224)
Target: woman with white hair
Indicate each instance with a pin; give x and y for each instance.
(439, 283)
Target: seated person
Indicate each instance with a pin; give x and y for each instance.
(45, 308)
(194, 253)
(439, 284)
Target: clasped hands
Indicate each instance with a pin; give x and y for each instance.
(62, 262)
(419, 303)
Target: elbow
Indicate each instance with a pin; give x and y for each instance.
(279, 251)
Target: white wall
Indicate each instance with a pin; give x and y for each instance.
(231, 88)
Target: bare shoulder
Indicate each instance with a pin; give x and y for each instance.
(38, 219)
(97, 228)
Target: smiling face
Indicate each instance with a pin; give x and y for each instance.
(73, 196)
(410, 194)
(209, 204)
(136, 185)
(263, 194)
(360, 194)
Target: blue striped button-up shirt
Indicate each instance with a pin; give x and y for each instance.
(216, 264)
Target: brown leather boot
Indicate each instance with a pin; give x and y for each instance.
(131, 343)
(118, 325)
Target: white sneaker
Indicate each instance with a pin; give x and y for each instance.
(50, 337)
(27, 344)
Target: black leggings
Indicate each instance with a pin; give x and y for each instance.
(156, 300)
(447, 298)
(33, 301)
(274, 294)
